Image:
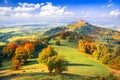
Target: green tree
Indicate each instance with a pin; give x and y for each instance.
(57, 42)
(60, 64)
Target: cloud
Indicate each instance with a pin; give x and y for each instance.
(115, 13)
(54, 11)
(84, 14)
(36, 12)
(27, 7)
(5, 11)
(110, 5)
(111, 14)
(23, 14)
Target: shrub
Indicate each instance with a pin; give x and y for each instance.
(57, 42)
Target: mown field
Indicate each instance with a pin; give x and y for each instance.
(80, 67)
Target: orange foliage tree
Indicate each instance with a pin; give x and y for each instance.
(19, 58)
(30, 49)
(9, 50)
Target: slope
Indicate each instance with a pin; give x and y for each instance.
(95, 33)
(80, 63)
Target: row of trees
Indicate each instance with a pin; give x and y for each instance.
(109, 55)
(21, 54)
(105, 53)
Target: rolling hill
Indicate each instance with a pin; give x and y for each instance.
(95, 33)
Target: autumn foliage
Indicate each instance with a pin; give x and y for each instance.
(107, 54)
(30, 49)
(9, 50)
(52, 60)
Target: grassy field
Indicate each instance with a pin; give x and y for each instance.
(80, 63)
(81, 67)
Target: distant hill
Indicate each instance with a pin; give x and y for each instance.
(95, 33)
(55, 30)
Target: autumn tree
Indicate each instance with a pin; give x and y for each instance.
(9, 50)
(19, 58)
(97, 52)
(1, 55)
(50, 58)
(46, 53)
(106, 58)
(30, 49)
(81, 46)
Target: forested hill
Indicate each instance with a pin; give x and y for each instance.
(95, 33)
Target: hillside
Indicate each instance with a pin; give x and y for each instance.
(95, 33)
(80, 67)
(79, 43)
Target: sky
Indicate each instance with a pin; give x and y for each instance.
(101, 12)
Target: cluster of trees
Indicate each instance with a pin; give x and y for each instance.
(108, 54)
(86, 46)
(69, 36)
(105, 53)
(20, 51)
(55, 30)
(20, 54)
(52, 60)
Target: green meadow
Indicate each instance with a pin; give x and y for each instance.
(81, 66)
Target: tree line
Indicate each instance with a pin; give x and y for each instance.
(108, 54)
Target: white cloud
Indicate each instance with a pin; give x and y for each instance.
(85, 14)
(111, 14)
(4, 11)
(22, 15)
(54, 11)
(36, 12)
(107, 6)
(27, 7)
(115, 13)
(110, 5)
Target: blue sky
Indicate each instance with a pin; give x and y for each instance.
(101, 12)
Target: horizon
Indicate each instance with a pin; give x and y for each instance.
(101, 12)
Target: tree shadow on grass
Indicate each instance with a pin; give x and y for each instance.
(54, 76)
(76, 64)
(45, 76)
(31, 62)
